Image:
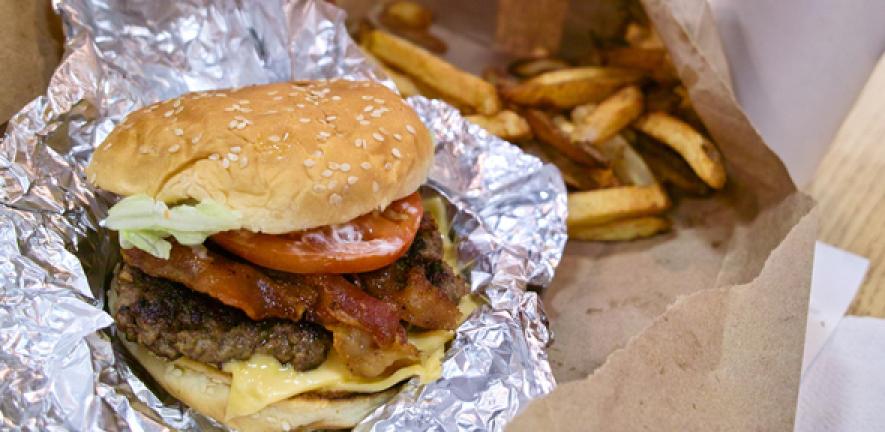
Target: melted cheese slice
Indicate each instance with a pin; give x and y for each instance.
(262, 380)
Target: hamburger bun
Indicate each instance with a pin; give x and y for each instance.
(287, 156)
(206, 389)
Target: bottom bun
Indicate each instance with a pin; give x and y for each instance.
(206, 390)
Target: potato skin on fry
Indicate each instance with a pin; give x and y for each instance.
(621, 230)
(404, 14)
(605, 205)
(506, 124)
(613, 114)
(450, 82)
(567, 88)
(547, 132)
(700, 153)
(575, 175)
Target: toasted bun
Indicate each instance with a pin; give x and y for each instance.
(206, 391)
(287, 156)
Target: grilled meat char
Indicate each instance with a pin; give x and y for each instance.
(172, 320)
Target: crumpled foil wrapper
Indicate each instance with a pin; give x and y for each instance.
(61, 366)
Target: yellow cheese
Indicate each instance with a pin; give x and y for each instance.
(262, 380)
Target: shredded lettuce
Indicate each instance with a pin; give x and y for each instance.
(144, 223)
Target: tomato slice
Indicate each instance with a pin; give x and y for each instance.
(367, 243)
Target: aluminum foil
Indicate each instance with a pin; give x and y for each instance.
(61, 366)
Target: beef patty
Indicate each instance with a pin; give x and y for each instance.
(173, 321)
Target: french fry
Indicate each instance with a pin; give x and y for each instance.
(627, 164)
(404, 84)
(580, 112)
(566, 126)
(439, 75)
(700, 153)
(642, 36)
(669, 168)
(613, 114)
(404, 14)
(547, 132)
(528, 68)
(621, 230)
(662, 98)
(506, 124)
(575, 175)
(605, 205)
(654, 61)
(567, 88)
(424, 39)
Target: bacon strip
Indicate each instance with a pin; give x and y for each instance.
(366, 331)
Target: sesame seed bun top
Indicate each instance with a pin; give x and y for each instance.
(287, 156)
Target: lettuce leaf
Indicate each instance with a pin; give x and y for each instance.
(144, 223)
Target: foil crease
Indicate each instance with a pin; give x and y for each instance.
(63, 369)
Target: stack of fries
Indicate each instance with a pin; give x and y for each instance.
(621, 128)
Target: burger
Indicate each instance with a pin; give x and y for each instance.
(279, 270)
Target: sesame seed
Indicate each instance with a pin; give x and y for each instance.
(332, 184)
(379, 101)
(397, 137)
(336, 98)
(300, 105)
(331, 118)
(220, 94)
(352, 179)
(326, 173)
(396, 153)
(214, 156)
(368, 108)
(229, 109)
(293, 94)
(359, 142)
(285, 136)
(286, 426)
(240, 118)
(375, 186)
(410, 129)
(242, 125)
(378, 137)
(364, 122)
(333, 165)
(304, 120)
(388, 166)
(195, 139)
(174, 148)
(277, 98)
(309, 163)
(290, 109)
(243, 161)
(318, 153)
(168, 113)
(366, 97)
(272, 92)
(232, 124)
(176, 372)
(334, 199)
(384, 131)
(360, 117)
(365, 165)
(245, 101)
(232, 156)
(376, 113)
(177, 103)
(235, 149)
(225, 163)
(274, 138)
(271, 112)
(178, 131)
(317, 187)
(345, 167)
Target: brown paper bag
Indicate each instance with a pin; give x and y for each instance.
(702, 329)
